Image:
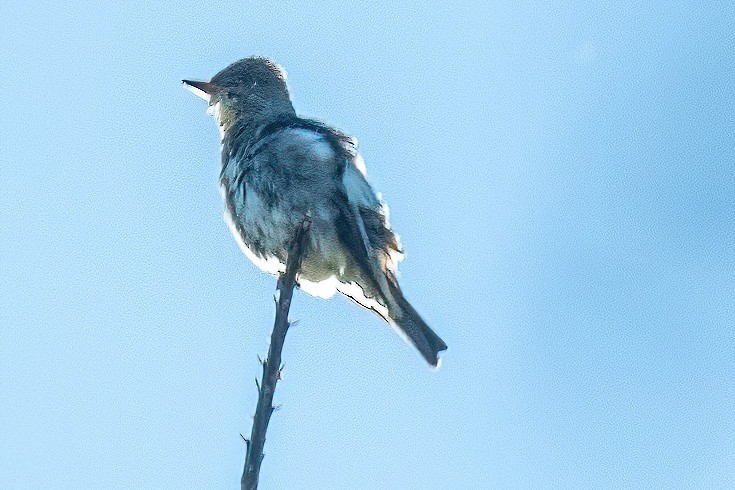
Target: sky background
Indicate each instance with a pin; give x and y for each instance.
(562, 177)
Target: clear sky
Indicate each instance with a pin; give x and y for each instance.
(562, 177)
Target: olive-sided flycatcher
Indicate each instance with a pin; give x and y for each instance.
(279, 169)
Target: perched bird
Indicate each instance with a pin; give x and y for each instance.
(278, 169)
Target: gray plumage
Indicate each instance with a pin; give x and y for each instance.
(277, 169)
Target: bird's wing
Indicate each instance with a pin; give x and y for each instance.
(373, 214)
(332, 154)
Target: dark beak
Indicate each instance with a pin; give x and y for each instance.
(203, 90)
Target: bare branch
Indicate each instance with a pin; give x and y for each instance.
(272, 365)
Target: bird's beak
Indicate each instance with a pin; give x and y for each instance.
(203, 90)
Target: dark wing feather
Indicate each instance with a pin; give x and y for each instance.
(380, 235)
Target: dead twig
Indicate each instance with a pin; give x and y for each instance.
(272, 364)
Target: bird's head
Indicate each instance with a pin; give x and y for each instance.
(251, 89)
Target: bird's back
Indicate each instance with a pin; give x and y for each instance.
(289, 170)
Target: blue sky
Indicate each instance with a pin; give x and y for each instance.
(562, 179)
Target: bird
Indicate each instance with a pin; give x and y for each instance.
(278, 169)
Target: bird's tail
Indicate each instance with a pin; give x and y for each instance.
(407, 319)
